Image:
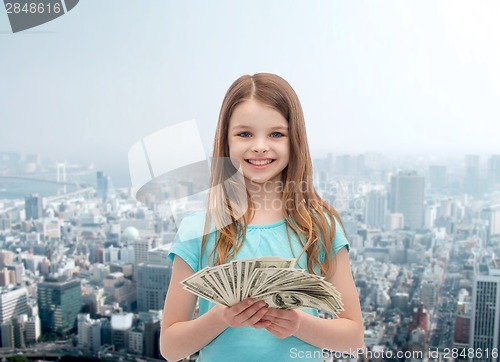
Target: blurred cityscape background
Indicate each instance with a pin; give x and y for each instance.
(83, 265)
(84, 268)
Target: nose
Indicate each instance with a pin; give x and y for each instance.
(260, 145)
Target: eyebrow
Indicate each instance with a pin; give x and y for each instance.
(241, 126)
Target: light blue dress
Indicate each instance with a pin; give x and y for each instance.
(247, 343)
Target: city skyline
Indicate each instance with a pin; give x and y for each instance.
(370, 78)
(41, 167)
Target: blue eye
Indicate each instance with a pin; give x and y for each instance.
(244, 134)
(276, 134)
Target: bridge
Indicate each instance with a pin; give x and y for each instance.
(33, 179)
(84, 189)
(87, 190)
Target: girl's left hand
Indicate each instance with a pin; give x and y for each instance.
(280, 322)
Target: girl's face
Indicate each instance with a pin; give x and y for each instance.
(258, 140)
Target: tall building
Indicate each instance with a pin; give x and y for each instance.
(16, 272)
(437, 177)
(428, 293)
(4, 277)
(494, 170)
(33, 329)
(142, 247)
(6, 258)
(485, 319)
(102, 186)
(472, 176)
(105, 187)
(13, 303)
(19, 324)
(492, 218)
(430, 216)
(33, 206)
(59, 303)
(121, 325)
(153, 279)
(136, 341)
(13, 332)
(83, 326)
(376, 209)
(152, 286)
(89, 332)
(7, 335)
(152, 329)
(407, 198)
(461, 335)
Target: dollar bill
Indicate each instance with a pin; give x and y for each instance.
(272, 279)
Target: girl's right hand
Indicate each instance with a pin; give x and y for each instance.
(245, 313)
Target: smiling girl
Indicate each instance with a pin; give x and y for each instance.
(261, 129)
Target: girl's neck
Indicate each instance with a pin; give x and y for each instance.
(266, 201)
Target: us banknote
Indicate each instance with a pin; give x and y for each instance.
(272, 279)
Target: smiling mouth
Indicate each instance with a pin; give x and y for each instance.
(260, 162)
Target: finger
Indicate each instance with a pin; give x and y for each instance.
(269, 318)
(279, 313)
(241, 306)
(283, 323)
(279, 329)
(262, 324)
(249, 312)
(256, 317)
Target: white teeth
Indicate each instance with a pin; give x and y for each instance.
(260, 163)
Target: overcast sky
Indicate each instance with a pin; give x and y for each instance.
(373, 76)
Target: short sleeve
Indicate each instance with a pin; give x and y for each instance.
(340, 239)
(187, 241)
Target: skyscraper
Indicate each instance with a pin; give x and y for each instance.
(153, 279)
(103, 186)
(33, 207)
(59, 303)
(485, 321)
(376, 208)
(407, 198)
(472, 179)
(494, 170)
(152, 326)
(13, 303)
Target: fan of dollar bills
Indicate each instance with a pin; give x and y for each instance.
(272, 279)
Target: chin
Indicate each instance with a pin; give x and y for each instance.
(263, 180)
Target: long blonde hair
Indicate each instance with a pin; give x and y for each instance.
(305, 211)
